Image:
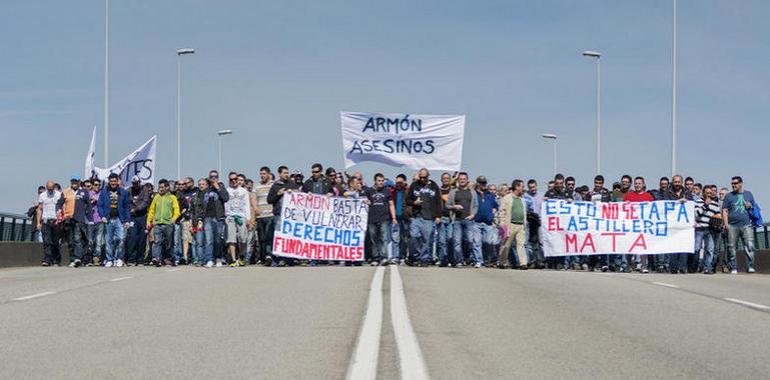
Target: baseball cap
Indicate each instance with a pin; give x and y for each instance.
(297, 172)
(389, 183)
(135, 179)
(481, 179)
(74, 177)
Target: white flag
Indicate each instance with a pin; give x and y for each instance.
(141, 163)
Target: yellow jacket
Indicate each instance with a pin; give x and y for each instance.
(164, 209)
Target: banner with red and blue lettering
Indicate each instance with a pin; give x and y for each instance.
(588, 228)
(318, 227)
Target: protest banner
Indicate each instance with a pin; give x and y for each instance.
(403, 140)
(318, 227)
(141, 163)
(587, 228)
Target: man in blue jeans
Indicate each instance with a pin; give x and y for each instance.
(140, 202)
(115, 209)
(485, 234)
(425, 198)
(464, 204)
(212, 196)
(400, 229)
(444, 229)
(737, 222)
(381, 213)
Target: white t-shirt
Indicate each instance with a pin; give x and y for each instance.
(238, 204)
(49, 201)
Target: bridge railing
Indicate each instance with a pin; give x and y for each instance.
(15, 227)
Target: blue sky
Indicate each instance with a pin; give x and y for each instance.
(279, 72)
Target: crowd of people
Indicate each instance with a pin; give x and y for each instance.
(415, 221)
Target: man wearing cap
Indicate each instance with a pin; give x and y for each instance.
(77, 214)
(140, 202)
(484, 232)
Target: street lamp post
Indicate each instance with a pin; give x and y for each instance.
(598, 56)
(552, 137)
(673, 92)
(179, 54)
(221, 134)
(106, 83)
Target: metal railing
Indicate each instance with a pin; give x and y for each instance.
(14, 227)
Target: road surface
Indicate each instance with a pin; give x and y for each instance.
(338, 322)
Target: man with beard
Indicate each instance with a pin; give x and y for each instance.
(534, 201)
(115, 209)
(425, 198)
(381, 213)
(264, 223)
(400, 230)
(183, 226)
(140, 202)
(677, 262)
(444, 233)
(283, 185)
(640, 195)
(77, 214)
(599, 193)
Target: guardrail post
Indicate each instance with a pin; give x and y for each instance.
(767, 243)
(13, 229)
(2, 228)
(23, 236)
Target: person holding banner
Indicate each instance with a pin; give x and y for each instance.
(425, 198)
(513, 210)
(275, 197)
(677, 261)
(599, 194)
(381, 213)
(640, 194)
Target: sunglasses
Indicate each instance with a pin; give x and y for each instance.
(735, 183)
(233, 179)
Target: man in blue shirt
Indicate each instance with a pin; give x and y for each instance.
(485, 234)
(736, 221)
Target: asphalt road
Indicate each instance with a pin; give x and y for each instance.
(326, 323)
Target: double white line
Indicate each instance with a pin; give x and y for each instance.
(363, 364)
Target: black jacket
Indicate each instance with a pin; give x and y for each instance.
(219, 197)
(322, 186)
(274, 199)
(431, 200)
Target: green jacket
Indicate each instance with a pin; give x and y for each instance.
(164, 209)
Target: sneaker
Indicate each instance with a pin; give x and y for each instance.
(242, 262)
(209, 264)
(281, 263)
(734, 271)
(155, 262)
(384, 262)
(234, 264)
(751, 270)
(645, 270)
(605, 268)
(477, 265)
(118, 263)
(459, 265)
(708, 271)
(45, 264)
(73, 265)
(108, 264)
(96, 261)
(218, 263)
(268, 261)
(374, 264)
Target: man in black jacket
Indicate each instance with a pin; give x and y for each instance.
(140, 202)
(275, 197)
(425, 198)
(317, 183)
(212, 197)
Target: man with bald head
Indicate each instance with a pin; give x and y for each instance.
(424, 196)
(49, 205)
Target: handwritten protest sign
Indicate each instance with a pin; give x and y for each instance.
(318, 227)
(403, 140)
(587, 228)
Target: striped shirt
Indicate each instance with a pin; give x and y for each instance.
(265, 209)
(703, 212)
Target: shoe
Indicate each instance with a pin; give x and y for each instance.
(751, 270)
(477, 265)
(242, 262)
(167, 262)
(585, 267)
(73, 265)
(45, 264)
(281, 263)
(209, 264)
(459, 265)
(645, 270)
(384, 262)
(374, 264)
(734, 271)
(155, 262)
(218, 263)
(501, 266)
(96, 261)
(708, 271)
(605, 268)
(234, 264)
(523, 267)
(108, 264)
(118, 263)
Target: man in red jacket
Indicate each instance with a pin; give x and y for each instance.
(639, 194)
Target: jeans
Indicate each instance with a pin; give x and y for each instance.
(138, 240)
(51, 248)
(114, 235)
(198, 247)
(265, 232)
(76, 232)
(420, 230)
(706, 239)
(463, 231)
(378, 235)
(399, 236)
(214, 234)
(483, 237)
(252, 244)
(747, 234)
(163, 234)
(444, 232)
(95, 233)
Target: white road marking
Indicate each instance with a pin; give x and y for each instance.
(749, 304)
(121, 278)
(410, 356)
(43, 294)
(363, 364)
(666, 285)
(173, 270)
